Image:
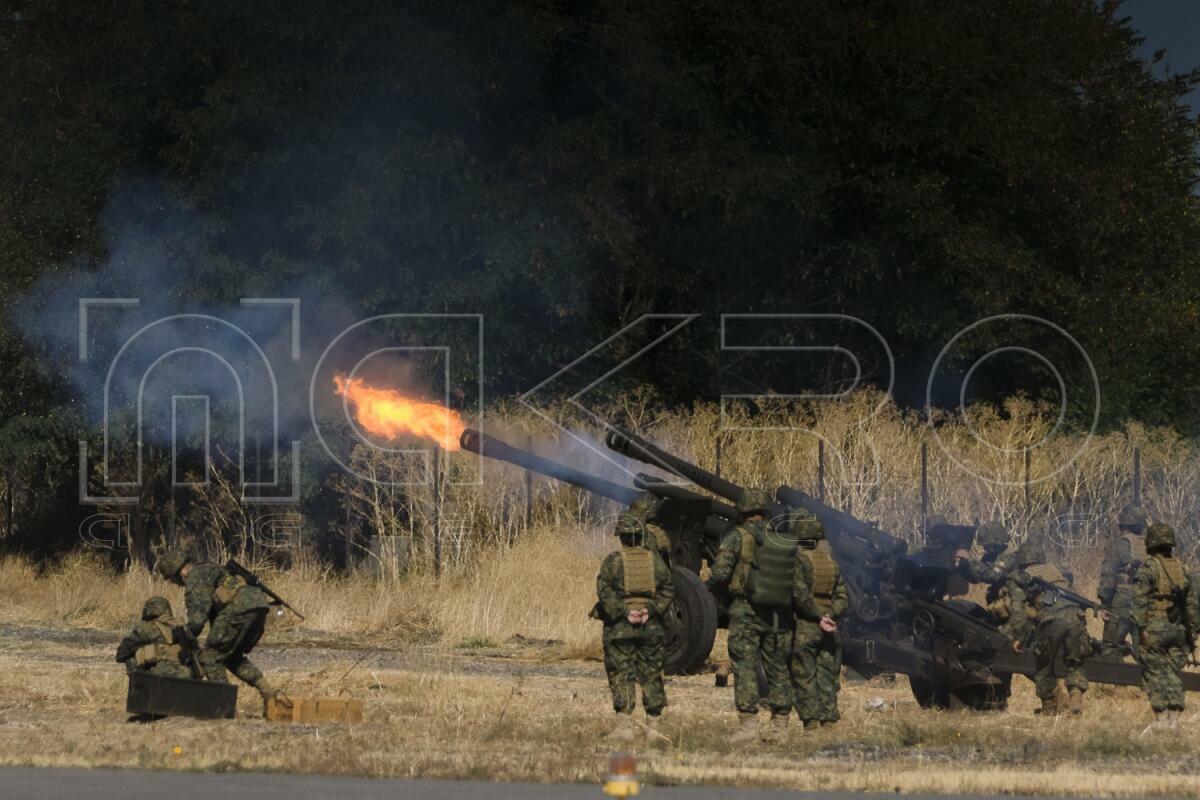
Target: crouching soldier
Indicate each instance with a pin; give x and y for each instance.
(153, 645)
(634, 591)
(236, 614)
(1055, 625)
(1161, 608)
(820, 600)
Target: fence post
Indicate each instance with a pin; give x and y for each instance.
(1028, 470)
(821, 470)
(528, 487)
(436, 511)
(1137, 476)
(924, 491)
(717, 465)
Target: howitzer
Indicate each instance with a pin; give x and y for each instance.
(234, 568)
(901, 619)
(694, 524)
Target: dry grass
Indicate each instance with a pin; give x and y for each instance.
(504, 719)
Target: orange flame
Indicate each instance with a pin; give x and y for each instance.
(388, 413)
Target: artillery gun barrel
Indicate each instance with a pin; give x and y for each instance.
(836, 522)
(661, 488)
(490, 446)
(627, 444)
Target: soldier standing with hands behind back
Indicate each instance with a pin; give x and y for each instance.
(820, 599)
(634, 590)
(1162, 611)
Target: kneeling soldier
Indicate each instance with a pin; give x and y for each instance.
(237, 614)
(635, 590)
(152, 646)
(821, 599)
(1160, 611)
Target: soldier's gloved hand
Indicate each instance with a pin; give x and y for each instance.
(827, 624)
(1144, 639)
(961, 554)
(183, 635)
(1105, 614)
(1017, 646)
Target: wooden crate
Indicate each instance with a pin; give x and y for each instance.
(315, 709)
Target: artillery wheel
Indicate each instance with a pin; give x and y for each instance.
(976, 697)
(691, 624)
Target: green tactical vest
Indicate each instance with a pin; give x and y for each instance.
(773, 573)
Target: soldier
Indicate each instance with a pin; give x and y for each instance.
(1054, 625)
(759, 576)
(1122, 558)
(645, 509)
(820, 600)
(236, 613)
(635, 590)
(992, 568)
(1161, 609)
(153, 645)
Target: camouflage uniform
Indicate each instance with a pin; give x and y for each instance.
(236, 615)
(634, 654)
(756, 636)
(1123, 556)
(1161, 611)
(1052, 625)
(819, 591)
(151, 646)
(992, 569)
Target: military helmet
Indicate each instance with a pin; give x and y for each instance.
(753, 501)
(1031, 551)
(646, 506)
(1133, 516)
(991, 534)
(1159, 535)
(629, 525)
(805, 525)
(170, 562)
(156, 607)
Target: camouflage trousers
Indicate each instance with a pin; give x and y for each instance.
(1063, 632)
(1119, 628)
(231, 636)
(631, 661)
(753, 641)
(816, 672)
(1163, 657)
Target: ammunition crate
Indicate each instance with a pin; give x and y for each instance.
(315, 709)
(180, 697)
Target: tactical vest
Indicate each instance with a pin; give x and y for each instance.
(1137, 556)
(825, 572)
(741, 571)
(227, 588)
(773, 574)
(150, 654)
(637, 564)
(1167, 593)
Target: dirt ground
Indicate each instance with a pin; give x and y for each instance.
(520, 710)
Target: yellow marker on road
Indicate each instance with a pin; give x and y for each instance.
(622, 778)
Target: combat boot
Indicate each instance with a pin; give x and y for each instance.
(1051, 707)
(1076, 701)
(653, 734)
(776, 732)
(722, 677)
(747, 728)
(1174, 716)
(623, 733)
(268, 692)
(812, 724)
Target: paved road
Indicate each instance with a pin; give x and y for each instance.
(22, 783)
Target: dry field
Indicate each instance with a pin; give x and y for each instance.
(463, 679)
